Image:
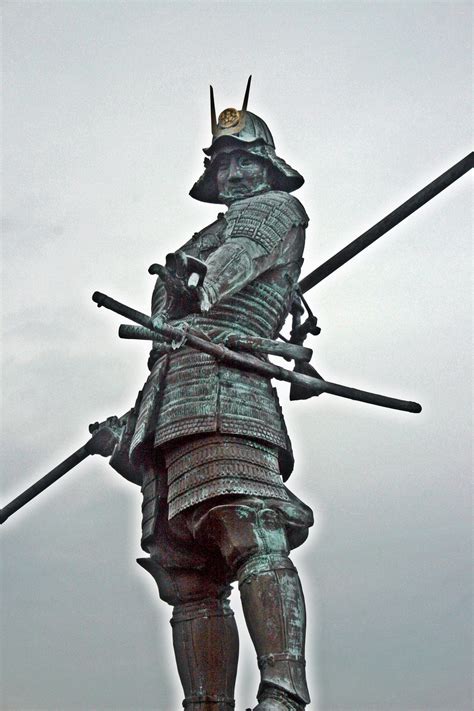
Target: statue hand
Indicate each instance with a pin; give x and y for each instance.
(180, 284)
(105, 435)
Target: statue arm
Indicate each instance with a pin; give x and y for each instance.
(192, 248)
(120, 454)
(125, 469)
(120, 461)
(112, 439)
(262, 232)
(232, 266)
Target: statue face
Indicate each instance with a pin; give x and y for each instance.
(239, 175)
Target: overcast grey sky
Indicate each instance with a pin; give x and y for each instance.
(105, 112)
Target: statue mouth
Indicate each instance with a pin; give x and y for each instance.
(232, 190)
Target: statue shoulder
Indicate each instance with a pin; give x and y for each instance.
(208, 236)
(266, 218)
(274, 202)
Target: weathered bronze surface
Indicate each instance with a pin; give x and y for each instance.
(207, 441)
(304, 374)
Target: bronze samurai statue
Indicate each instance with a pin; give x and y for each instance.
(207, 442)
(206, 439)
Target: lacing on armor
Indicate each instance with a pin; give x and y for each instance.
(203, 608)
(206, 699)
(271, 659)
(258, 564)
(220, 465)
(265, 218)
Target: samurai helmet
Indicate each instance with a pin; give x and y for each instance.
(245, 131)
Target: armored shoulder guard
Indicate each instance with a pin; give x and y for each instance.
(265, 218)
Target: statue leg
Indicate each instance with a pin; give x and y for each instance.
(252, 539)
(205, 635)
(273, 604)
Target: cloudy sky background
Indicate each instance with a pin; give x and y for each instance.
(105, 112)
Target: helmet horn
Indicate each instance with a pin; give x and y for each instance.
(213, 113)
(246, 97)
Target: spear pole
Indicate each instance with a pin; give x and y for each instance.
(60, 470)
(394, 218)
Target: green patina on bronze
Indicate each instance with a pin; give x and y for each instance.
(206, 439)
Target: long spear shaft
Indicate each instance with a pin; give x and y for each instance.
(60, 470)
(249, 362)
(269, 369)
(394, 218)
(90, 447)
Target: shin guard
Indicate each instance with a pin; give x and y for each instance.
(206, 647)
(274, 609)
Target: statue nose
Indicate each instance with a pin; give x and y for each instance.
(234, 170)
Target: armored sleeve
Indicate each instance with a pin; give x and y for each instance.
(198, 245)
(120, 459)
(256, 239)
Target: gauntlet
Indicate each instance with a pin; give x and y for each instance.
(181, 276)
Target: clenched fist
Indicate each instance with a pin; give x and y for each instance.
(105, 435)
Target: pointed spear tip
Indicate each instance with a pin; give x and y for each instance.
(213, 110)
(246, 96)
